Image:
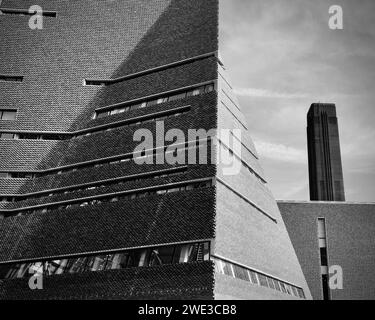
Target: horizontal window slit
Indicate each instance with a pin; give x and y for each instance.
(25, 12)
(122, 195)
(152, 101)
(10, 78)
(130, 258)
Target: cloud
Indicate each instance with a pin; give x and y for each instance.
(294, 191)
(281, 152)
(263, 93)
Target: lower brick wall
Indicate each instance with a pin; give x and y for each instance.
(174, 217)
(181, 281)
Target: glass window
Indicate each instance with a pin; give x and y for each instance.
(294, 290)
(288, 289)
(177, 96)
(152, 102)
(55, 266)
(36, 267)
(162, 100)
(4, 175)
(227, 268)
(97, 263)
(209, 88)
(323, 257)
(8, 115)
(77, 265)
(101, 114)
(13, 271)
(206, 251)
(197, 91)
(253, 277)
(277, 285)
(325, 286)
(218, 266)
(182, 253)
(262, 280)
(113, 261)
(135, 258)
(321, 228)
(282, 285)
(301, 293)
(160, 256)
(7, 136)
(240, 273)
(4, 270)
(270, 283)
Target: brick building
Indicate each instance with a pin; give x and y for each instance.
(75, 205)
(326, 234)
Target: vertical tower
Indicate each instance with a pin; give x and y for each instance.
(77, 205)
(325, 169)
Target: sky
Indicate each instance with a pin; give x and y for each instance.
(281, 56)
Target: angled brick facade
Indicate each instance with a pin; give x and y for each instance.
(70, 188)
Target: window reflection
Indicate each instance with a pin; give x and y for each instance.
(184, 253)
(148, 103)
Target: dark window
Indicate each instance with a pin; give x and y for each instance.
(31, 136)
(323, 256)
(53, 137)
(8, 114)
(160, 256)
(25, 12)
(325, 287)
(94, 83)
(11, 78)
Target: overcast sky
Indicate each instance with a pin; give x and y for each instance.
(281, 56)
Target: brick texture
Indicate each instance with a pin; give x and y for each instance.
(350, 244)
(177, 282)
